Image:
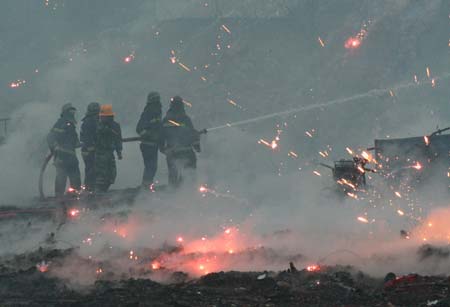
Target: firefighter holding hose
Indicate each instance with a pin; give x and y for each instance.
(63, 142)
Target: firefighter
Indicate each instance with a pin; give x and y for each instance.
(88, 134)
(149, 129)
(179, 141)
(63, 142)
(109, 139)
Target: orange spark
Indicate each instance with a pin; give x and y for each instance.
(184, 66)
(321, 42)
(225, 28)
(317, 173)
(174, 123)
(362, 219)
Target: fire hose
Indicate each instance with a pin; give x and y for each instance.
(50, 156)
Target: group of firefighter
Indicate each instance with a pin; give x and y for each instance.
(101, 141)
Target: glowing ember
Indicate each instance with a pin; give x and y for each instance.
(313, 268)
(156, 265)
(352, 43)
(128, 58)
(417, 166)
(74, 212)
(203, 189)
(42, 266)
(180, 240)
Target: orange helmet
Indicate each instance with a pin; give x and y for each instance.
(106, 110)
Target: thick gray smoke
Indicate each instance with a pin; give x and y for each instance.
(231, 60)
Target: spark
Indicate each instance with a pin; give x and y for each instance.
(349, 151)
(391, 92)
(173, 58)
(174, 123)
(129, 58)
(366, 156)
(293, 154)
(274, 144)
(231, 102)
(398, 194)
(203, 79)
(322, 154)
(74, 212)
(417, 166)
(362, 219)
(99, 271)
(203, 189)
(42, 266)
(187, 103)
(17, 83)
(184, 66)
(416, 80)
(317, 173)
(400, 212)
(428, 72)
(352, 43)
(308, 134)
(352, 195)
(180, 240)
(225, 28)
(427, 140)
(321, 42)
(433, 83)
(227, 231)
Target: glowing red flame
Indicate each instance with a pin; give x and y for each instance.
(313, 268)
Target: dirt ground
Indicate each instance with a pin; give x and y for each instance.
(25, 280)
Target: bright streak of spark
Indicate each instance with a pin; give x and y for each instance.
(400, 212)
(232, 102)
(349, 151)
(352, 195)
(156, 265)
(426, 140)
(225, 28)
(174, 123)
(74, 212)
(184, 66)
(362, 219)
(180, 240)
(417, 166)
(321, 42)
(398, 194)
(391, 92)
(293, 154)
(187, 103)
(317, 173)
(308, 134)
(428, 72)
(203, 189)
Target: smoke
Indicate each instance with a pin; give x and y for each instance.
(266, 197)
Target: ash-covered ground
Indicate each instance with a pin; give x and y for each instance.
(284, 86)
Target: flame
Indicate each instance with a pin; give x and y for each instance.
(313, 268)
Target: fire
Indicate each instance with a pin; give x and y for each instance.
(156, 265)
(313, 268)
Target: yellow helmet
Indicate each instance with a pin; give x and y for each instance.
(106, 110)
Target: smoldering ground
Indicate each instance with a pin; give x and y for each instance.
(267, 198)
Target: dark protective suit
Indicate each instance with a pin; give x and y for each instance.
(63, 141)
(179, 141)
(149, 129)
(88, 135)
(109, 139)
